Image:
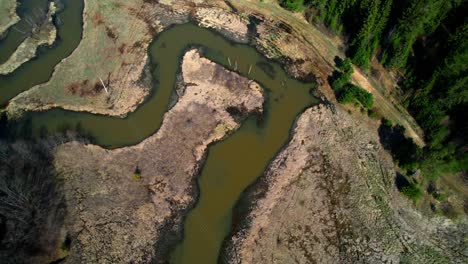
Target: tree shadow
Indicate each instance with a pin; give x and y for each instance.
(32, 203)
(336, 73)
(403, 149)
(401, 181)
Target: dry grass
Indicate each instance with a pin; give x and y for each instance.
(44, 34)
(110, 27)
(114, 215)
(325, 203)
(314, 51)
(8, 14)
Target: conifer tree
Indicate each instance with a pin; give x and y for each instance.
(367, 40)
(420, 17)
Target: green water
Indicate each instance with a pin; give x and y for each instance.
(231, 164)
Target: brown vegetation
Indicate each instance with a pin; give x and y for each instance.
(120, 200)
(321, 202)
(85, 88)
(97, 18)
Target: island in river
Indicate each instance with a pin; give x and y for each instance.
(198, 146)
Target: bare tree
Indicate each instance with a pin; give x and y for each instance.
(31, 204)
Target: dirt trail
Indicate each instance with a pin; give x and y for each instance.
(389, 110)
(319, 51)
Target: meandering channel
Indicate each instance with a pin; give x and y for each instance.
(30, 12)
(231, 165)
(39, 70)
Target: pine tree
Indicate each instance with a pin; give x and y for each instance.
(421, 17)
(368, 38)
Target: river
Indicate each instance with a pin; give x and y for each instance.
(231, 164)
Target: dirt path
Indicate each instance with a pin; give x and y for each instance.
(389, 110)
(321, 49)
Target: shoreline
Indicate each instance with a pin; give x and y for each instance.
(13, 19)
(170, 204)
(360, 216)
(16, 111)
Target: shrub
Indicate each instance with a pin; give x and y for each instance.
(338, 83)
(387, 123)
(353, 93)
(293, 5)
(346, 97)
(412, 191)
(342, 77)
(346, 66)
(137, 174)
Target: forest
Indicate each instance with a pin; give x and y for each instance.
(426, 43)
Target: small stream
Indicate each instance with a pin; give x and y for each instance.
(231, 164)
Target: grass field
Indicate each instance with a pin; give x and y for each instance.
(114, 48)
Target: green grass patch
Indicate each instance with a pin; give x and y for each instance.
(412, 191)
(293, 5)
(387, 123)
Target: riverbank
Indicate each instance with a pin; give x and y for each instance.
(119, 46)
(305, 52)
(44, 35)
(330, 197)
(8, 16)
(150, 183)
(114, 49)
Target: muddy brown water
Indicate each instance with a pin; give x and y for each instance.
(231, 164)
